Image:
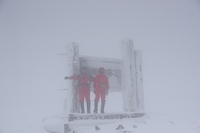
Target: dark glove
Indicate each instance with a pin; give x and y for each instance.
(67, 77)
(106, 91)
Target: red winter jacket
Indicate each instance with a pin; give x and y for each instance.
(101, 82)
(83, 79)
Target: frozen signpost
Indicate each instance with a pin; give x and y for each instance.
(125, 75)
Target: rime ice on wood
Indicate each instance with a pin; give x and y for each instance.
(73, 60)
(139, 80)
(129, 92)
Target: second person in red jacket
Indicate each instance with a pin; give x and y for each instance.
(101, 86)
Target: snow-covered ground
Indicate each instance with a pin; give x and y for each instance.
(151, 123)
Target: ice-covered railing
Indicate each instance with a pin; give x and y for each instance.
(73, 117)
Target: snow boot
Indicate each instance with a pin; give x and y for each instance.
(95, 107)
(82, 108)
(102, 107)
(88, 107)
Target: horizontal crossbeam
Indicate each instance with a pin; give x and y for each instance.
(73, 117)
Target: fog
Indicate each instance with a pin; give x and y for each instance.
(34, 35)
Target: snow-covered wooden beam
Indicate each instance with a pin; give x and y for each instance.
(129, 78)
(73, 117)
(74, 68)
(139, 81)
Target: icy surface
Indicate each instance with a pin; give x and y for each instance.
(151, 123)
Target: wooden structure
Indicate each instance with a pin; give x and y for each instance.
(124, 75)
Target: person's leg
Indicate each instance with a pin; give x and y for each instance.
(81, 99)
(87, 97)
(103, 100)
(96, 100)
(97, 96)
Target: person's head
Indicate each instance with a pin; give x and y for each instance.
(101, 70)
(83, 70)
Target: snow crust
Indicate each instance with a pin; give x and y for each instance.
(150, 123)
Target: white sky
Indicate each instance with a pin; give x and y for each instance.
(33, 33)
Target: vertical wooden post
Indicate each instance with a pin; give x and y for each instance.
(74, 69)
(139, 81)
(67, 128)
(129, 83)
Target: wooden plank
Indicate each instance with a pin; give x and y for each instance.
(73, 117)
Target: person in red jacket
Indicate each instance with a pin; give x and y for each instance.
(101, 86)
(84, 88)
